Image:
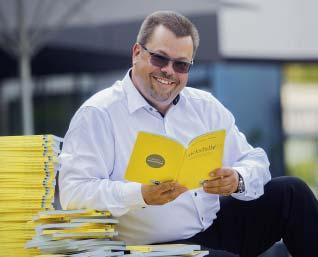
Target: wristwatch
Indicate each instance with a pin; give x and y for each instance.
(241, 185)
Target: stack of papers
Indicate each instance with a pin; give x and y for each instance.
(76, 233)
(89, 233)
(27, 186)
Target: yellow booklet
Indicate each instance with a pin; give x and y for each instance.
(156, 158)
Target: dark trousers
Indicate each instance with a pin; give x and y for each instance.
(288, 210)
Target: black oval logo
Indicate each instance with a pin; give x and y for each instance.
(155, 161)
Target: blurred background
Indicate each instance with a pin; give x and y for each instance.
(260, 58)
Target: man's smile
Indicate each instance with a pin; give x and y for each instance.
(164, 81)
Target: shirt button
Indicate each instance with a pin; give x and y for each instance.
(195, 194)
(150, 109)
(202, 218)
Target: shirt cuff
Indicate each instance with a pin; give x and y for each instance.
(132, 196)
(250, 192)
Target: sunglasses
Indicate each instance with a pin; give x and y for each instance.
(162, 61)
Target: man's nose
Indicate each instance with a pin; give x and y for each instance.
(168, 69)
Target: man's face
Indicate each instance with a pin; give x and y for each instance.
(161, 85)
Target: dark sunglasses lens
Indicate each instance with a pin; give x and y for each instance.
(181, 67)
(161, 61)
(158, 60)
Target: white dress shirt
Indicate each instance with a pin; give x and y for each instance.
(97, 149)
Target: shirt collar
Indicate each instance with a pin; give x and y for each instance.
(135, 100)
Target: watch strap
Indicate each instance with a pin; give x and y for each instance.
(241, 185)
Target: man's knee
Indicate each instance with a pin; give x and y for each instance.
(287, 181)
(290, 185)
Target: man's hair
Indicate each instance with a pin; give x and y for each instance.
(180, 25)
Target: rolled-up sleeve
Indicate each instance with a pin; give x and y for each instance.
(87, 160)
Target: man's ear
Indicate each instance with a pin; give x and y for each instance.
(136, 50)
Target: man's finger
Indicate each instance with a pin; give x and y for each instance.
(219, 190)
(218, 182)
(166, 186)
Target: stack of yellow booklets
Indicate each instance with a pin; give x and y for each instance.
(76, 233)
(27, 185)
(157, 158)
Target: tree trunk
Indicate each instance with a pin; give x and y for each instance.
(26, 91)
(25, 72)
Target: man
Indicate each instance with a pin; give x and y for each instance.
(153, 97)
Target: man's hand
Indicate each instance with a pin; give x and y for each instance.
(162, 193)
(224, 181)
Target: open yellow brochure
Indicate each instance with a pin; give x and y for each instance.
(156, 158)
